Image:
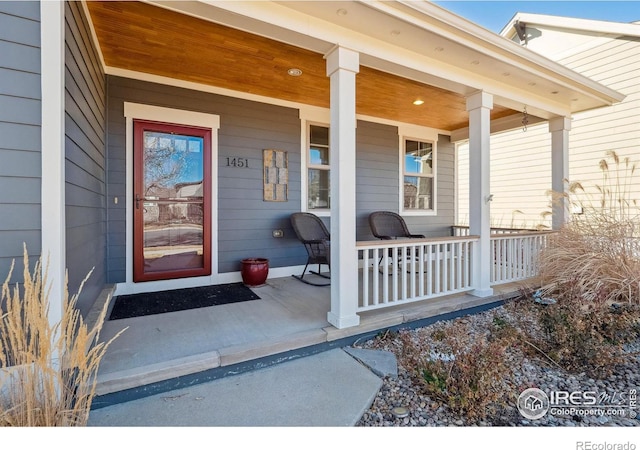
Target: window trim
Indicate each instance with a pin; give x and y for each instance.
(306, 165)
(420, 137)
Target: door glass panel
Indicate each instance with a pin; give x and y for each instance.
(173, 202)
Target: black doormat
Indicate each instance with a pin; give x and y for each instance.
(135, 305)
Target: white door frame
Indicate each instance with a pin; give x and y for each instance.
(179, 117)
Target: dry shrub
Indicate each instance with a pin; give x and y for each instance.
(575, 335)
(47, 371)
(466, 372)
(585, 338)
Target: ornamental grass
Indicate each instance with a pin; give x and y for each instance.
(47, 371)
(596, 255)
(591, 268)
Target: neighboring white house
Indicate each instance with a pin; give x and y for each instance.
(607, 52)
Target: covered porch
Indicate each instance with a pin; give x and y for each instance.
(400, 284)
(167, 351)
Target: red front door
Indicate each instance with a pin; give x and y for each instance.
(172, 204)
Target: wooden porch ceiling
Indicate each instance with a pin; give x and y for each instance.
(145, 38)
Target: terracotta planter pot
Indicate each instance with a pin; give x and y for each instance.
(254, 271)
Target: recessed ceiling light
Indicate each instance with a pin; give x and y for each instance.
(395, 32)
(439, 49)
(418, 102)
(554, 92)
(505, 74)
(341, 12)
(475, 62)
(294, 72)
(532, 83)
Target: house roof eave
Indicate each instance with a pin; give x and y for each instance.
(571, 23)
(471, 34)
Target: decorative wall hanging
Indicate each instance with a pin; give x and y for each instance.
(276, 175)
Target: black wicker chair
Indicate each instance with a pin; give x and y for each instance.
(315, 237)
(389, 225)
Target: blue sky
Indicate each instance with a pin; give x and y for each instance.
(494, 15)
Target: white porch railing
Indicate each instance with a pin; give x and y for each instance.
(463, 230)
(515, 256)
(408, 270)
(402, 271)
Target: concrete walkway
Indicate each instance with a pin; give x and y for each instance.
(328, 389)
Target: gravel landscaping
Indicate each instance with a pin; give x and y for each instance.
(402, 401)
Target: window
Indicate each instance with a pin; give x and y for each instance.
(318, 195)
(418, 175)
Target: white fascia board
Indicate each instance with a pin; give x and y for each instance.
(490, 44)
(572, 23)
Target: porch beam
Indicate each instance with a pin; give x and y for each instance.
(479, 106)
(342, 66)
(559, 129)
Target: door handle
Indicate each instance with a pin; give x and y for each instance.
(137, 201)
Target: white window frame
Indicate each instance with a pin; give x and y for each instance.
(326, 167)
(420, 134)
(310, 115)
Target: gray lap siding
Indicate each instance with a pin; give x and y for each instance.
(85, 159)
(20, 129)
(245, 221)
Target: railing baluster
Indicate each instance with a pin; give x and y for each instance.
(437, 270)
(421, 269)
(430, 268)
(404, 279)
(445, 268)
(458, 270)
(365, 276)
(394, 276)
(375, 275)
(385, 277)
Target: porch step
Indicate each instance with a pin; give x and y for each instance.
(140, 376)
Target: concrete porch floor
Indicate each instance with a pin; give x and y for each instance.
(158, 353)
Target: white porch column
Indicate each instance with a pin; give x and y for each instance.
(479, 106)
(342, 66)
(559, 129)
(53, 152)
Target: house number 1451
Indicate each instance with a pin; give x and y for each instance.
(237, 162)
